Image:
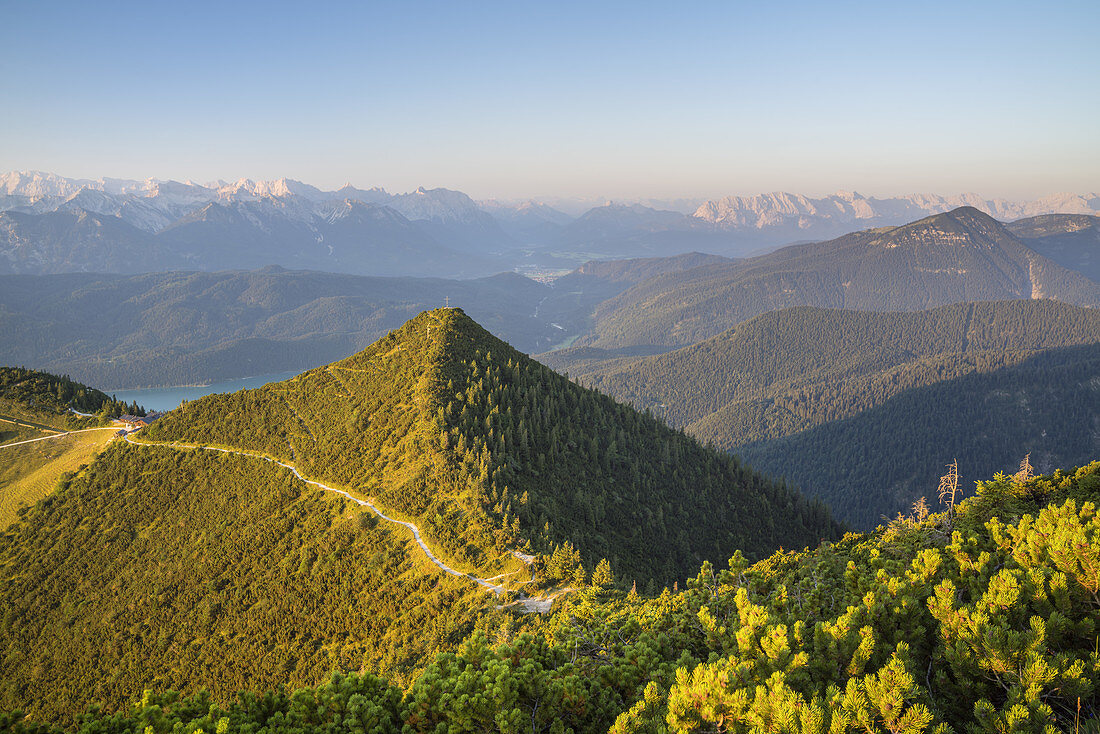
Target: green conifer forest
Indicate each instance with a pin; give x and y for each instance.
(979, 618)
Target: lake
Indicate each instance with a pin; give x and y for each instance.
(166, 398)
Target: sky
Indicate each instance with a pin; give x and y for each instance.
(558, 99)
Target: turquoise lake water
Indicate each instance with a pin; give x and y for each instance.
(166, 398)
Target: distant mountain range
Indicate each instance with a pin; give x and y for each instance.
(189, 327)
(962, 255)
(52, 224)
(790, 217)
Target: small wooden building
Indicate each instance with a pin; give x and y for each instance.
(139, 421)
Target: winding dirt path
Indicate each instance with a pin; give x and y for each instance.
(530, 604)
(58, 435)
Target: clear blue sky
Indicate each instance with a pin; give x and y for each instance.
(518, 99)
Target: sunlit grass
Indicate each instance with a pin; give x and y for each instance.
(30, 472)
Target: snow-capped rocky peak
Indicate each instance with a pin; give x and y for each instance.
(242, 188)
(175, 192)
(847, 208)
(39, 184)
(289, 187)
(441, 205)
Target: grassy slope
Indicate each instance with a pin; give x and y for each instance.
(30, 472)
(19, 422)
(160, 568)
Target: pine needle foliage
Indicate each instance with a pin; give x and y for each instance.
(914, 629)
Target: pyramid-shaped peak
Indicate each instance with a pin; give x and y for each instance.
(447, 318)
(488, 451)
(434, 339)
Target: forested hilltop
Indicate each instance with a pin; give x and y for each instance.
(980, 618)
(486, 448)
(793, 391)
(57, 394)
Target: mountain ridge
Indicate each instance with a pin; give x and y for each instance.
(962, 255)
(732, 226)
(447, 423)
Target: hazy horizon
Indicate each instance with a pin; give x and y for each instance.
(552, 199)
(568, 101)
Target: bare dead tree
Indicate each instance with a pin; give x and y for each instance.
(920, 509)
(1026, 473)
(949, 488)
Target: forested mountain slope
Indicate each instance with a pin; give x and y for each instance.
(1071, 240)
(788, 370)
(879, 462)
(487, 448)
(963, 255)
(777, 389)
(982, 618)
